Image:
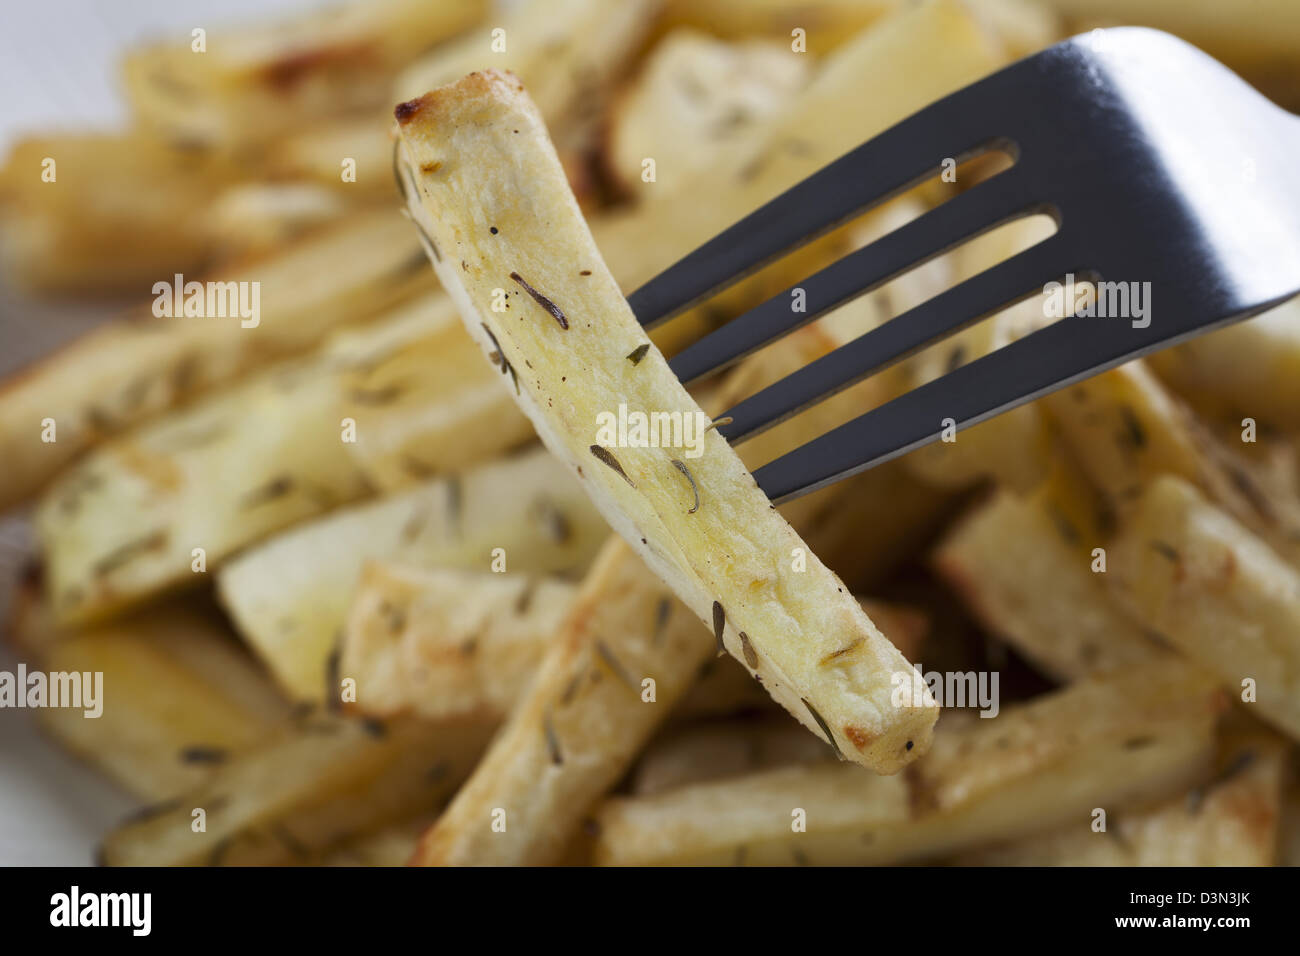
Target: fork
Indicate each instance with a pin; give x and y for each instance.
(1157, 163)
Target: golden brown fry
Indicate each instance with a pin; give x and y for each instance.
(511, 220)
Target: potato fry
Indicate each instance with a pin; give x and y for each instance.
(298, 797)
(289, 597)
(126, 372)
(250, 84)
(444, 642)
(624, 655)
(1231, 821)
(511, 213)
(1124, 741)
(180, 697)
(1212, 589)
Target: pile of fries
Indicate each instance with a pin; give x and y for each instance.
(348, 606)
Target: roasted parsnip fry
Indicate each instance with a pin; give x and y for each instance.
(826, 23)
(317, 154)
(1024, 25)
(1289, 854)
(391, 846)
(258, 218)
(426, 404)
(290, 596)
(1271, 32)
(157, 508)
(569, 52)
(623, 656)
(1248, 370)
(1124, 741)
(502, 227)
(246, 85)
(907, 60)
(297, 797)
(179, 697)
(1215, 591)
(1024, 568)
(714, 750)
(443, 642)
(1233, 820)
(696, 99)
(381, 407)
(1125, 429)
(95, 213)
(126, 372)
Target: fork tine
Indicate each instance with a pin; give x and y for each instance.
(882, 167)
(1061, 354)
(976, 211)
(978, 297)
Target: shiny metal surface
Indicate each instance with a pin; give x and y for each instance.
(1159, 165)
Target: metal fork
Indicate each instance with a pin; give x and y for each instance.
(1158, 165)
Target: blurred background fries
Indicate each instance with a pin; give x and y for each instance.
(341, 597)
